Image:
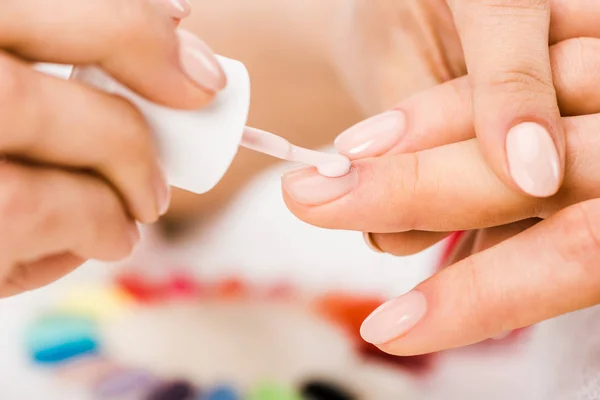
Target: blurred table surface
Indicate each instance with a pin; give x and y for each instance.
(256, 239)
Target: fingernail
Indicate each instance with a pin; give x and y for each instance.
(176, 8)
(372, 137)
(394, 318)
(163, 194)
(533, 159)
(199, 62)
(368, 237)
(308, 187)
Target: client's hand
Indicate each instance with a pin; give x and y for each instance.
(79, 167)
(546, 271)
(391, 45)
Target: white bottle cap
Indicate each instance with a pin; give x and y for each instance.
(197, 147)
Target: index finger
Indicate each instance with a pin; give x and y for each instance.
(546, 271)
(132, 40)
(517, 119)
(441, 189)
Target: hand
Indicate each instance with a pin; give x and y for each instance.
(80, 166)
(548, 267)
(402, 46)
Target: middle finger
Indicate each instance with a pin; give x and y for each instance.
(442, 189)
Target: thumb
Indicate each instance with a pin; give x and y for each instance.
(516, 115)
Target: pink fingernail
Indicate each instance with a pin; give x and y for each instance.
(308, 187)
(372, 137)
(394, 318)
(533, 159)
(199, 62)
(177, 8)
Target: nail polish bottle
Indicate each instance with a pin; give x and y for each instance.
(198, 146)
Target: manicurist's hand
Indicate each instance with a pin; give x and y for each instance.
(435, 180)
(79, 167)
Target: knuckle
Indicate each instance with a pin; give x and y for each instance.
(131, 141)
(404, 186)
(16, 205)
(136, 132)
(411, 176)
(10, 86)
(526, 79)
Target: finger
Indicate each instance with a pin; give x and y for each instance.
(444, 114)
(176, 9)
(441, 189)
(462, 249)
(573, 19)
(47, 212)
(26, 277)
(39, 114)
(404, 243)
(515, 109)
(132, 40)
(546, 271)
(490, 237)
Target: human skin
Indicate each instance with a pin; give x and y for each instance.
(79, 168)
(299, 67)
(436, 180)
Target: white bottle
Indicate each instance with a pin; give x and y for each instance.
(197, 147)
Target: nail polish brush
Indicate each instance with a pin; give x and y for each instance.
(198, 146)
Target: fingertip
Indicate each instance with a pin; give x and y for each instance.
(199, 63)
(394, 319)
(533, 159)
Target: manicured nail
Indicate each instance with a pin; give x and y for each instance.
(372, 137)
(533, 159)
(199, 62)
(394, 318)
(308, 187)
(175, 8)
(368, 237)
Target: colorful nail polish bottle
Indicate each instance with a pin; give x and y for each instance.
(321, 390)
(220, 393)
(177, 390)
(272, 391)
(128, 384)
(57, 338)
